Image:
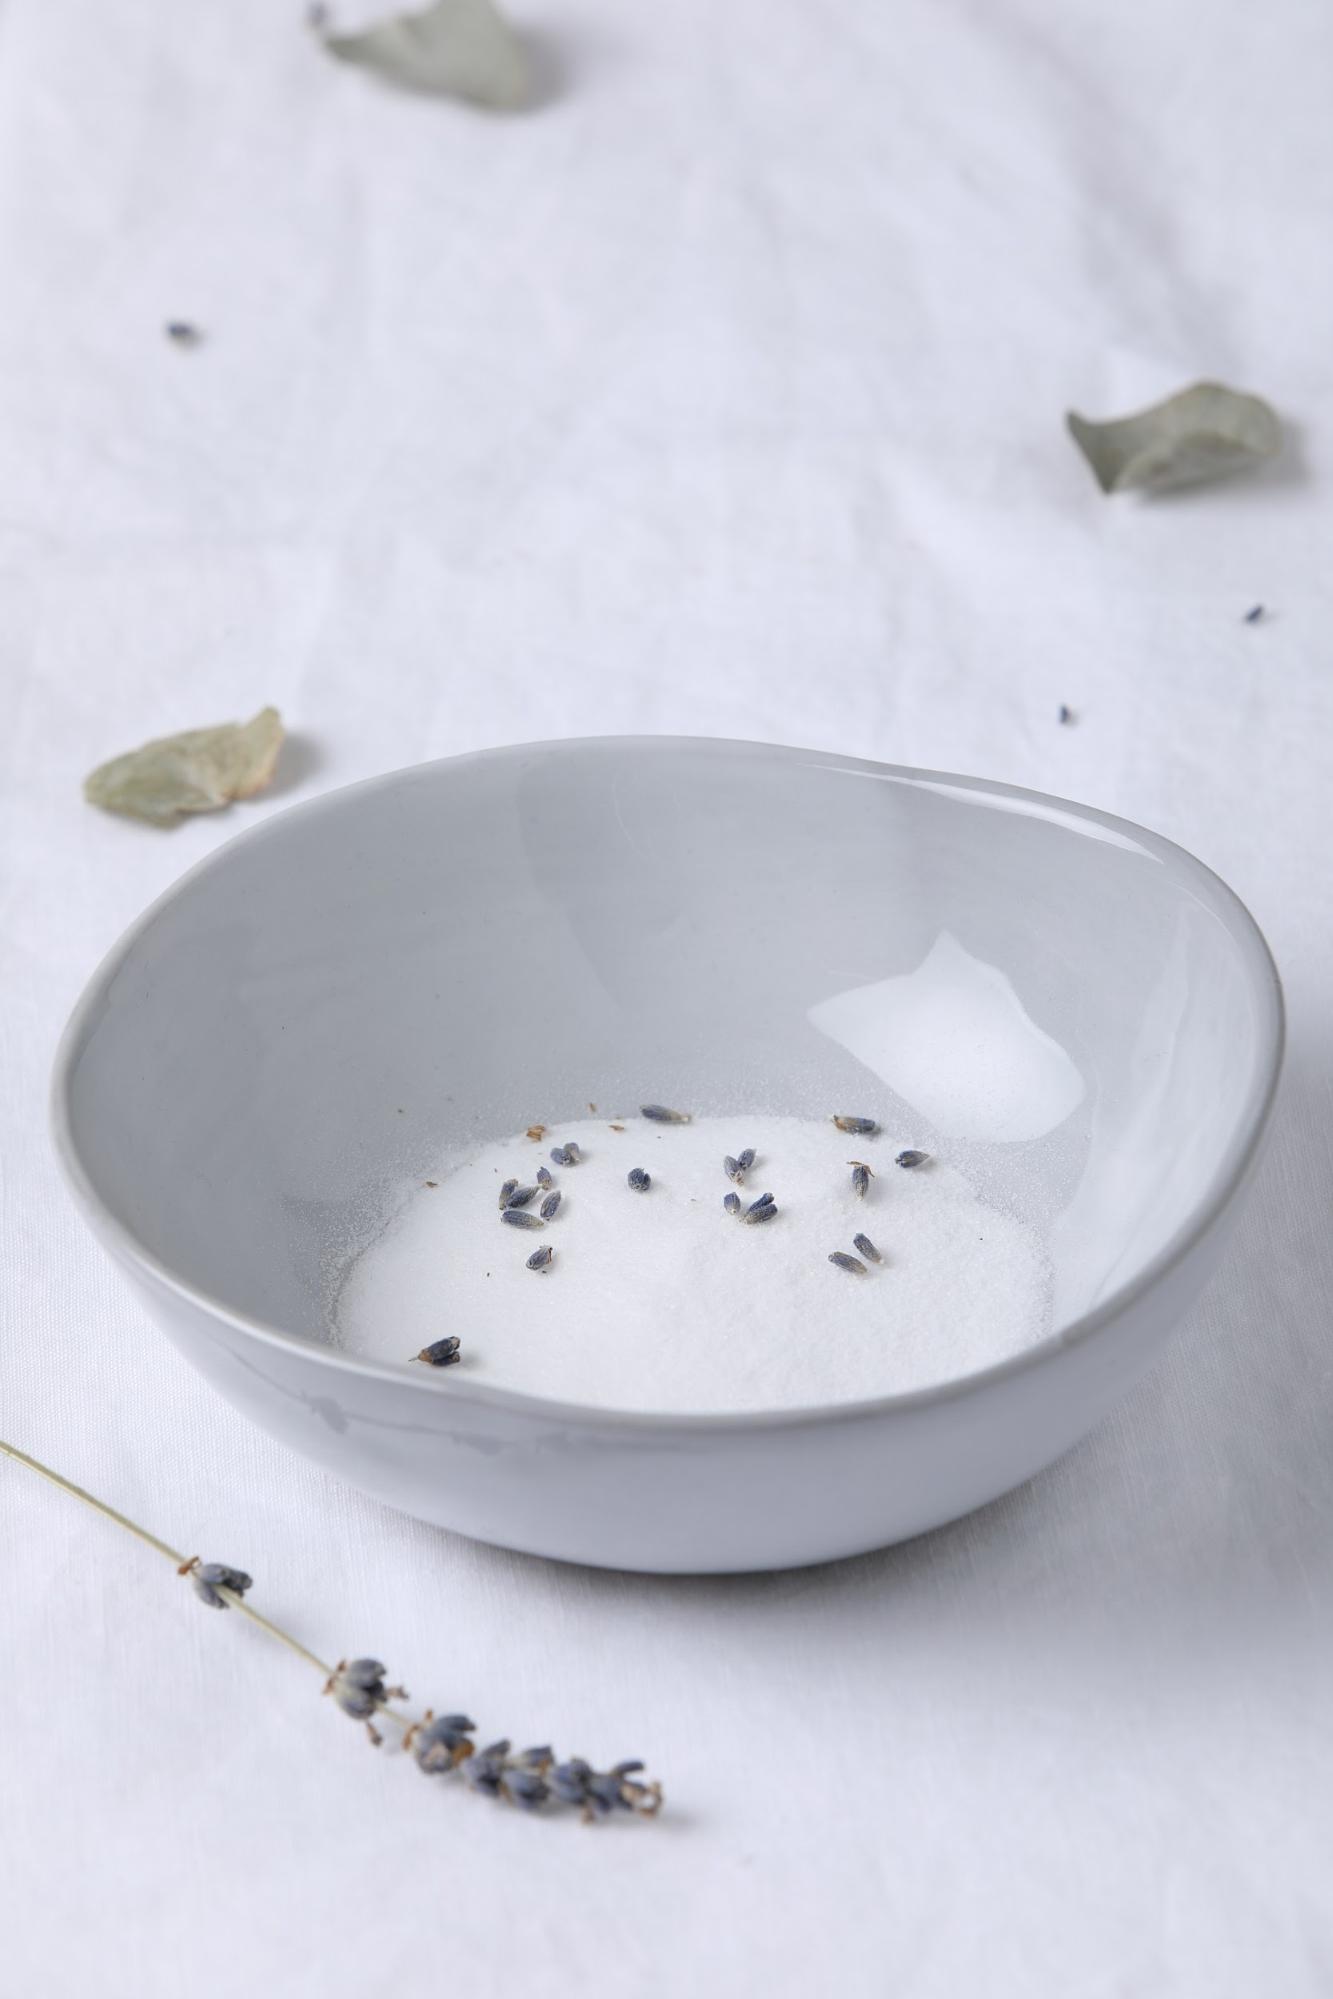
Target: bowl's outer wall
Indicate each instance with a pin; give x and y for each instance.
(686, 1498)
(251, 1056)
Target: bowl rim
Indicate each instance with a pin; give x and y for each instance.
(1233, 1167)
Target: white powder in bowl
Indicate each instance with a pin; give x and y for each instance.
(663, 1301)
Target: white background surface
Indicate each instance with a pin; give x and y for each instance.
(723, 395)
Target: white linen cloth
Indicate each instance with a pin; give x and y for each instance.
(721, 395)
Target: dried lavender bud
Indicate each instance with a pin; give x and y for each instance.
(541, 1258)
(182, 334)
(357, 1685)
(1253, 615)
(566, 1155)
(867, 1248)
(520, 1197)
(746, 1160)
(518, 1218)
(505, 1191)
(732, 1203)
(910, 1158)
(206, 1578)
(549, 1205)
(442, 1742)
(569, 1781)
(1066, 715)
(440, 1353)
(599, 1792)
(861, 1177)
(733, 1170)
(660, 1115)
(486, 1768)
(761, 1211)
(764, 1201)
(638, 1179)
(545, 1177)
(845, 1262)
(523, 1787)
(860, 1127)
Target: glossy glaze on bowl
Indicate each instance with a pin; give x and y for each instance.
(1075, 1009)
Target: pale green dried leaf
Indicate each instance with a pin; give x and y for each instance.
(1206, 432)
(197, 771)
(457, 48)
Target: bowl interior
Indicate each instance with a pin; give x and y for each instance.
(1078, 1014)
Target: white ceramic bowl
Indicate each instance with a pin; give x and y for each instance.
(1076, 1009)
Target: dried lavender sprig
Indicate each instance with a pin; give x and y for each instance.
(359, 1690)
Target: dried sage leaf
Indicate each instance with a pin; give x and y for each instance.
(1206, 432)
(196, 771)
(457, 48)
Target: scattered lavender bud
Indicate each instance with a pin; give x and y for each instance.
(746, 1160)
(761, 1211)
(860, 1127)
(182, 334)
(550, 1204)
(520, 1196)
(1066, 715)
(861, 1177)
(732, 1203)
(659, 1114)
(566, 1155)
(440, 1353)
(733, 1169)
(867, 1248)
(910, 1158)
(764, 1201)
(206, 1578)
(1253, 615)
(639, 1180)
(505, 1191)
(845, 1262)
(545, 1178)
(541, 1258)
(442, 1742)
(519, 1218)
